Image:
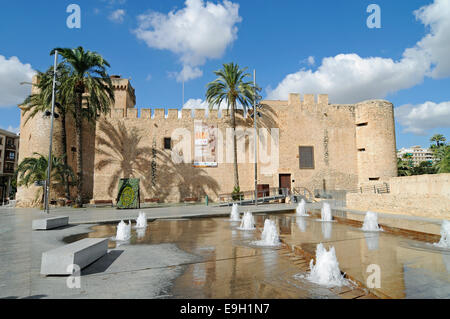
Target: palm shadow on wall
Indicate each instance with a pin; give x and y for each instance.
(124, 157)
(189, 181)
(121, 152)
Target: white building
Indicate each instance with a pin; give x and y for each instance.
(9, 155)
(418, 154)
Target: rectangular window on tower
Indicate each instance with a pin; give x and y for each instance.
(167, 143)
(306, 157)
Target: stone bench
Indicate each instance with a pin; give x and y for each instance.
(151, 200)
(82, 253)
(105, 202)
(50, 223)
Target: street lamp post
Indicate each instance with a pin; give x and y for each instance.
(49, 168)
(256, 139)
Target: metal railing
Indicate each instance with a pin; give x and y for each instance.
(273, 193)
(382, 188)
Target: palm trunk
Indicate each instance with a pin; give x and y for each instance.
(64, 146)
(78, 130)
(233, 123)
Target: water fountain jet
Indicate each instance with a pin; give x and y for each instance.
(248, 222)
(270, 235)
(445, 235)
(371, 222)
(141, 221)
(326, 270)
(123, 231)
(326, 213)
(235, 217)
(301, 209)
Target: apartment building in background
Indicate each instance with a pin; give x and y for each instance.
(417, 153)
(9, 155)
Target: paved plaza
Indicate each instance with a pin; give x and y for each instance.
(196, 252)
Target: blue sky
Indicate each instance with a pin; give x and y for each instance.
(351, 61)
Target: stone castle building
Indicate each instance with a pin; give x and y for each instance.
(310, 143)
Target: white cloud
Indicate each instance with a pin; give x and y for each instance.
(117, 16)
(198, 32)
(199, 104)
(436, 43)
(10, 128)
(12, 73)
(187, 73)
(349, 78)
(418, 119)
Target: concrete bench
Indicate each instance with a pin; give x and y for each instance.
(151, 200)
(50, 223)
(82, 253)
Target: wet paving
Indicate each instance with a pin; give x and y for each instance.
(229, 265)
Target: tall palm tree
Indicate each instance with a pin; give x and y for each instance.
(232, 88)
(438, 138)
(42, 101)
(89, 82)
(34, 169)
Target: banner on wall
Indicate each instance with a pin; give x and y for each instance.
(205, 147)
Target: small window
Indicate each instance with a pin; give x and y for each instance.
(306, 157)
(374, 179)
(10, 155)
(167, 143)
(361, 149)
(1, 140)
(362, 124)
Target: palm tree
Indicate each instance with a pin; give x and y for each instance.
(442, 155)
(41, 102)
(34, 169)
(438, 138)
(232, 88)
(89, 81)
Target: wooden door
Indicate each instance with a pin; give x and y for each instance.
(285, 181)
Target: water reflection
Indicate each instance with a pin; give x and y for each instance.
(140, 232)
(301, 223)
(372, 240)
(446, 260)
(327, 229)
(231, 268)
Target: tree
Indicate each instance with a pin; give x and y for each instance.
(407, 158)
(403, 168)
(424, 167)
(42, 101)
(89, 82)
(34, 169)
(232, 88)
(442, 155)
(439, 139)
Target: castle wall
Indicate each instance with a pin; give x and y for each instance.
(330, 129)
(130, 143)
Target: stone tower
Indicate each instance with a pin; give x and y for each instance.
(35, 138)
(375, 140)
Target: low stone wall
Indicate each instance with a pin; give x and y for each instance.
(438, 184)
(433, 206)
(423, 195)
